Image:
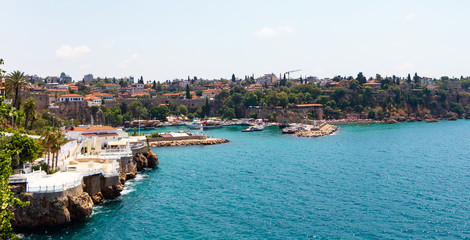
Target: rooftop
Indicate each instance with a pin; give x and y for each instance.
(93, 128)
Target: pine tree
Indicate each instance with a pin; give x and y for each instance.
(233, 78)
(416, 78)
(188, 92)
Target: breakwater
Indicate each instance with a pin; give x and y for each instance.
(323, 130)
(185, 142)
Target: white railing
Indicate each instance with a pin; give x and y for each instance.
(92, 171)
(18, 180)
(54, 188)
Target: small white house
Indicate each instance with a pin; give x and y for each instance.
(71, 98)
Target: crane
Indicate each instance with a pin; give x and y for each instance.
(288, 72)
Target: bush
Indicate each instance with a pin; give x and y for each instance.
(457, 108)
(371, 115)
(155, 135)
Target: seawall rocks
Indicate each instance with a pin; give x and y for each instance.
(327, 129)
(209, 141)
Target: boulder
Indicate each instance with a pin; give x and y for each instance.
(140, 161)
(431, 120)
(152, 159)
(111, 192)
(389, 121)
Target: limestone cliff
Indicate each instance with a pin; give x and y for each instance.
(52, 209)
(145, 160)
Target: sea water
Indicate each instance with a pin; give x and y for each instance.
(405, 180)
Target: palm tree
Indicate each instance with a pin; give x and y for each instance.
(59, 140)
(34, 116)
(46, 142)
(14, 82)
(29, 107)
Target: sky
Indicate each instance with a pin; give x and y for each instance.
(165, 40)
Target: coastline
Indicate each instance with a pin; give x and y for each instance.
(52, 209)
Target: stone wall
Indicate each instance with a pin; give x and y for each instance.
(92, 184)
(42, 100)
(71, 110)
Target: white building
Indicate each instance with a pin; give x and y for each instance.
(93, 101)
(137, 88)
(104, 133)
(71, 98)
(105, 96)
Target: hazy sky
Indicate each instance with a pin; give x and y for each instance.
(163, 40)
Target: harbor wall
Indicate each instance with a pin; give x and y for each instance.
(162, 139)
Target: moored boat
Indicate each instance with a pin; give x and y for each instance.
(289, 130)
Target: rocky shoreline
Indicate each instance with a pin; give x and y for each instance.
(326, 129)
(208, 141)
(48, 210)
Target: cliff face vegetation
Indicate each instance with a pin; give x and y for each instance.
(53, 209)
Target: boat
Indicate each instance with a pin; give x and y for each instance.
(258, 127)
(208, 125)
(289, 130)
(150, 125)
(194, 124)
(249, 129)
(255, 128)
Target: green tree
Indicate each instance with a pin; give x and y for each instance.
(416, 78)
(354, 85)
(188, 92)
(29, 108)
(46, 143)
(57, 141)
(137, 110)
(113, 116)
(233, 78)
(14, 82)
(361, 78)
(7, 197)
(457, 108)
(207, 108)
(159, 112)
(26, 148)
(182, 109)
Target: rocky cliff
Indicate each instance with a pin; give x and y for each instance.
(52, 209)
(145, 160)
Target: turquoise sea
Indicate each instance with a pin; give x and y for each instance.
(400, 181)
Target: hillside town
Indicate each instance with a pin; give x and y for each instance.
(98, 99)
